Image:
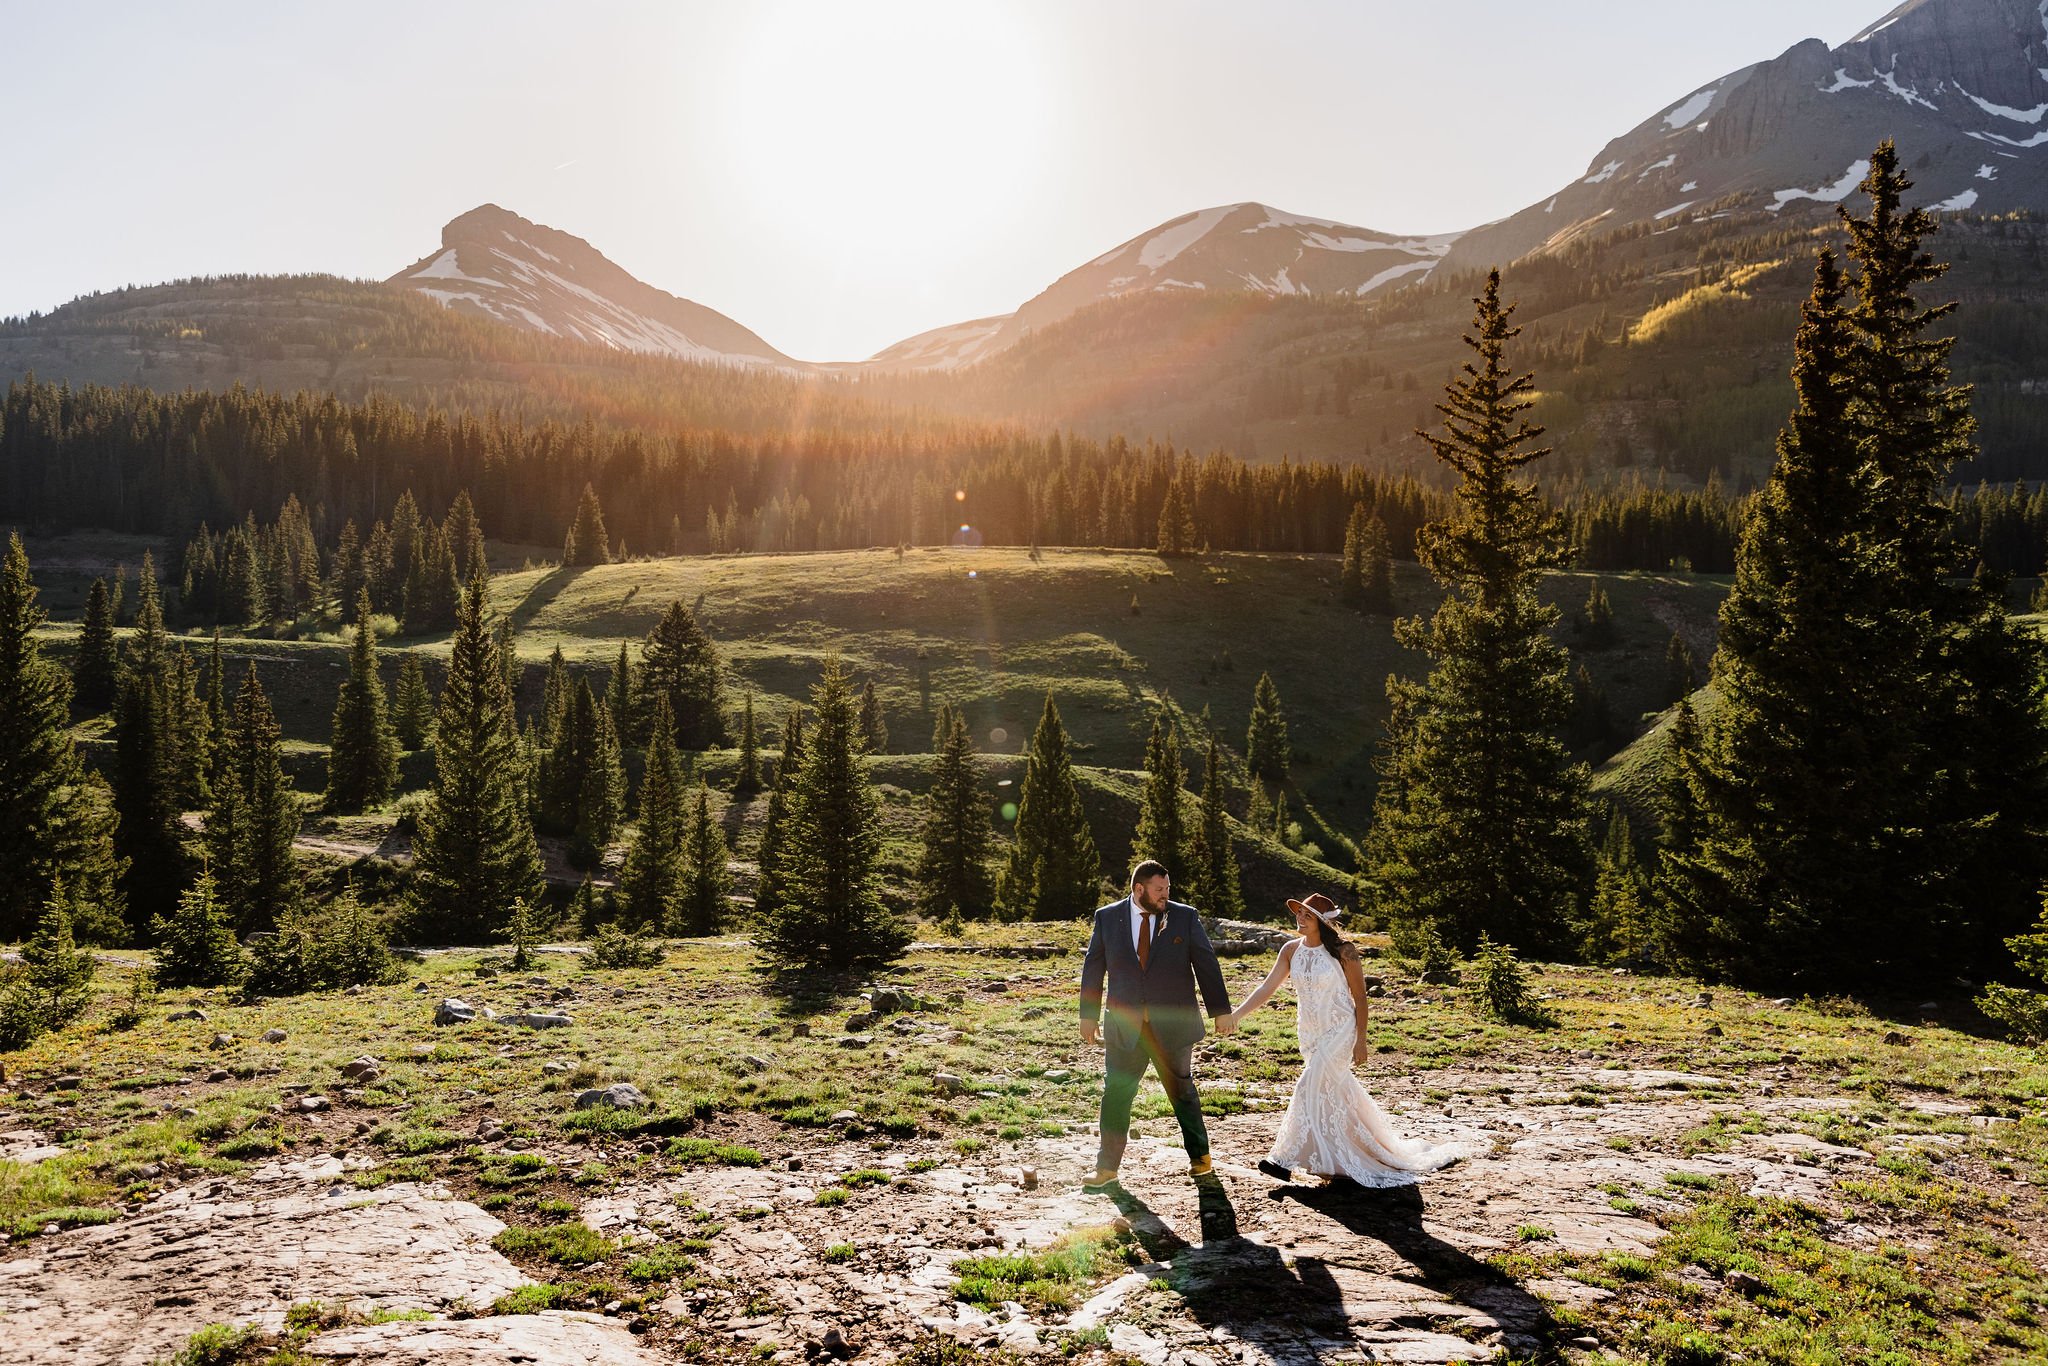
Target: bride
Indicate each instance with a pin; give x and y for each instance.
(1333, 1128)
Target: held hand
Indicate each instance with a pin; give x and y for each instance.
(1091, 1033)
(1226, 1023)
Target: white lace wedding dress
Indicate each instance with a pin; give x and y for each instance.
(1333, 1127)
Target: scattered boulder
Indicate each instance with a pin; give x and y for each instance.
(307, 1105)
(362, 1069)
(219, 1074)
(273, 1036)
(1742, 1283)
(485, 971)
(540, 1020)
(67, 1083)
(756, 1063)
(860, 1024)
(948, 1084)
(856, 1041)
(800, 1030)
(222, 1041)
(884, 1001)
(490, 1131)
(1896, 1038)
(191, 1013)
(1028, 1178)
(845, 1117)
(620, 1095)
(452, 1011)
(1781, 1001)
(554, 1068)
(833, 1343)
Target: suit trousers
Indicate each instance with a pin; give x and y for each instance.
(1124, 1070)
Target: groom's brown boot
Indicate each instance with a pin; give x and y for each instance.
(1201, 1167)
(1104, 1182)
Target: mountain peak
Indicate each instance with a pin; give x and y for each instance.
(496, 264)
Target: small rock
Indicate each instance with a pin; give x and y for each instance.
(554, 1069)
(220, 1074)
(1896, 1038)
(222, 1041)
(948, 1084)
(998, 987)
(1713, 1030)
(883, 1001)
(860, 1024)
(1058, 1074)
(1376, 989)
(486, 971)
(194, 1013)
(452, 1011)
(422, 1050)
(855, 1041)
(562, 994)
(273, 1036)
(537, 1020)
(355, 990)
(756, 1063)
(793, 1164)
(834, 1343)
(845, 1117)
(1781, 1001)
(1742, 1283)
(486, 1013)
(67, 1083)
(1029, 1179)
(310, 1104)
(185, 1112)
(490, 1131)
(1705, 998)
(361, 1069)
(1120, 1224)
(622, 1095)
(956, 998)
(800, 1030)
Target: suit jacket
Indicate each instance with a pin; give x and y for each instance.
(1163, 991)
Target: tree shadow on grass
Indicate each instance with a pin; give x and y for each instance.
(543, 593)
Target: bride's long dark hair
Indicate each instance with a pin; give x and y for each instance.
(1331, 940)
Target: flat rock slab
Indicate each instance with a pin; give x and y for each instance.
(553, 1338)
(132, 1291)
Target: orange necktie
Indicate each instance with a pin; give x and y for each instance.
(1145, 939)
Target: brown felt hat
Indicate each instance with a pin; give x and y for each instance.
(1317, 905)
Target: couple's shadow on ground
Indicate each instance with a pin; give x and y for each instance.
(1249, 1289)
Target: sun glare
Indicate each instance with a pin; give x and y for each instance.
(855, 120)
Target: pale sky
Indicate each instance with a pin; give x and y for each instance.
(835, 176)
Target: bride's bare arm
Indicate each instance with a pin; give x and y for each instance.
(1354, 977)
(1272, 982)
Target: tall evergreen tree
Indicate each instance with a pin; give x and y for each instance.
(466, 538)
(1162, 822)
(1212, 855)
(255, 816)
(1366, 580)
(431, 588)
(874, 730)
(768, 854)
(954, 880)
(52, 820)
(53, 984)
(1681, 670)
(581, 779)
(650, 883)
(587, 542)
(1267, 751)
(622, 698)
(362, 757)
(475, 853)
(1482, 824)
(412, 711)
(1176, 534)
(701, 902)
(829, 910)
(747, 779)
(196, 944)
(1054, 871)
(680, 660)
(93, 673)
(160, 755)
(1616, 925)
(557, 692)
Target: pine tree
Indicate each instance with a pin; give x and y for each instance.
(52, 986)
(362, 757)
(93, 674)
(1214, 872)
(557, 691)
(1480, 826)
(650, 882)
(475, 853)
(1616, 925)
(195, 944)
(680, 660)
(1596, 621)
(829, 910)
(1176, 533)
(52, 821)
(747, 779)
(954, 881)
(873, 729)
(622, 698)
(1366, 580)
(1162, 825)
(160, 756)
(350, 580)
(1054, 871)
(255, 816)
(466, 538)
(412, 711)
(768, 855)
(601, 800)
(1267, 752)
(1681, 670)
(587, 542)
(701, 902)
(431, 588)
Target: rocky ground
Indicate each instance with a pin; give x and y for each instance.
(1244, 1271)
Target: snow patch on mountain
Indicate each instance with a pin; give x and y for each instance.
(1844, 81)
(1603, 175)
(1694, 106)
(1658, 165)
(1827, 194)
(1392, 273)
(1909, 94)
(1958, 203)
(1663, 214)
(1179, 235)
(2006, 111)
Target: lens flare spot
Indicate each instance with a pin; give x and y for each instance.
(1009, 811)
(999, 736)
(959, 495)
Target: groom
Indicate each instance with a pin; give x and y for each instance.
(1153, 952)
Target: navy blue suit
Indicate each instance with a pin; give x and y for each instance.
(1150, 1016)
